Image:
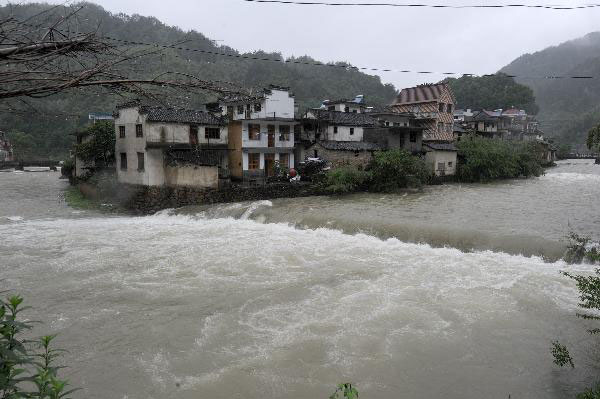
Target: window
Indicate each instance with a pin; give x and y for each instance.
(253, 161)
(346, 109)
(122, 132)
(240, 109)
(123, 161)
(387, 123)
(449, 164)
(257, 107)
(355, 111)
(193, 135)
(212, 133)
(396, 123)
(351, 131)
(440, 127)
(139, 132)
(335, 129)
(331, 108)
(449, 108)
(284, 160)
(441, 107)
(140, 157)
(284, 132)
(253, 131)
(413, 137)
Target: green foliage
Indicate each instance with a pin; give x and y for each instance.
(492, 92)
(345, 391)
(561, 355)
(345, 179)
(68, 167)
(483, 159)
(25, 373)
(67, 112)
(593, 139)
(23, 145)
(99, 144)
(563, 151)
(579, 250)
(590, 393)
(395, 169)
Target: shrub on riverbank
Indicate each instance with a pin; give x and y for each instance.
(396, 169)
(483, 160)
(27, 368)
(346, 179)
(388, 171)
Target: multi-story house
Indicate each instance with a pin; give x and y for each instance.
(433, 106)
(490, 124)
(261, 132)
(168, 146)
(6, 151)
(395, 130)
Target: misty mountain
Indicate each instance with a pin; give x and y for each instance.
(54, 117)
(568, 107)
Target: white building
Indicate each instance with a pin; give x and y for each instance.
(165, 146)
(441, 157)
(261, 133)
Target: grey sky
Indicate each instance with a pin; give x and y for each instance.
(467, 40)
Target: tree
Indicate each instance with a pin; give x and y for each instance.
(593, 139)
(395, 169)
(23, 145)
(492, 92)
(98, 148)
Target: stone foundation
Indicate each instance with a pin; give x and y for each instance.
(150, 199)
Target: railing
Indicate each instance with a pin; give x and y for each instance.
(426, 115)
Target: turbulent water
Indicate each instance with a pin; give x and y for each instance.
(417, 295)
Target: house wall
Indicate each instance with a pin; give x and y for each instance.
(337, 158)
(263, 142)
(192, 176)
(343, 133)
(342, 107)
(278, 104)
(235, 149)
(433, 158)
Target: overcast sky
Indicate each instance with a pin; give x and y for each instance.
(466, 40)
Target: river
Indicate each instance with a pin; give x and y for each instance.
(452, 292)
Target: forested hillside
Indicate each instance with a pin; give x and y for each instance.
(568, 107)
(44, 131)
(492, 92)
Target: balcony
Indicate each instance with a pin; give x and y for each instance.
(426, 115)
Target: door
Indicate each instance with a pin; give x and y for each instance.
(441, 168)
(270, 164)
(271, 135)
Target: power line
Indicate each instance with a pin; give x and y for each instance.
(343, 4)
(316, 63)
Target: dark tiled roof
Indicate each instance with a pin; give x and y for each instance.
(350, 146)
(422, 93)
(440, 146)
(174, 115)
(345, 118)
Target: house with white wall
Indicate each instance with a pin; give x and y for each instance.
(261, 133)
(158, 146)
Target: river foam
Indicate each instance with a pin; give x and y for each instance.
(222, 306)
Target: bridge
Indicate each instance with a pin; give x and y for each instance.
(19, 165)
(574, 155)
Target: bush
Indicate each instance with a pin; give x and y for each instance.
(344, 180)
(24, 373)
(395, 169)
(483, 160)
(579, 249)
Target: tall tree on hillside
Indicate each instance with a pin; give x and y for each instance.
(493, 92)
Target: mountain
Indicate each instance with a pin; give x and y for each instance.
(52, 119)
(568, 107)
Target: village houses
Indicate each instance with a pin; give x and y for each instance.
(261, 133)
(170, 146)
(6, 151)
(433, 106)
